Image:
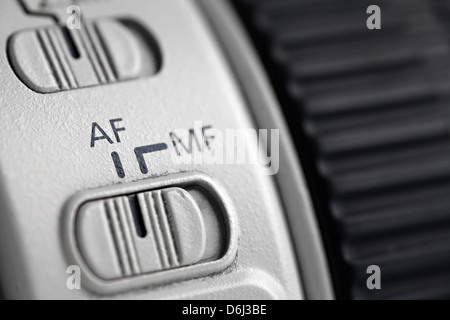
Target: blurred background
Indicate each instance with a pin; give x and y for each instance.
(369, 112)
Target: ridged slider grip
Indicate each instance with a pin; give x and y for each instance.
(174, 235)
(55, 59)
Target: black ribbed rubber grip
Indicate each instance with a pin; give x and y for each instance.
(370, 113)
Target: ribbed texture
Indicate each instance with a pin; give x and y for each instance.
(117, 210)
(370, 110)
(152, 204)
(52, 44)
(119, 216)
